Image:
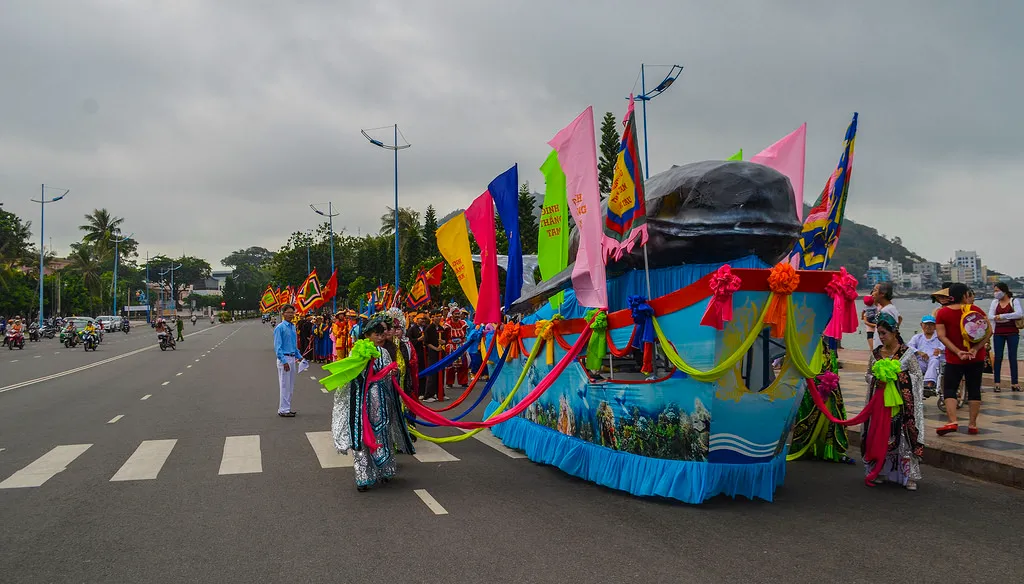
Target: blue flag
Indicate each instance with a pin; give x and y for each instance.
(504, 191)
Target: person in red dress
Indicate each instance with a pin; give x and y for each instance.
(965, 353)
(456, 330)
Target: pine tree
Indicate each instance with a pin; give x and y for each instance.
(430, 232)
(609, 153)
(527, 219)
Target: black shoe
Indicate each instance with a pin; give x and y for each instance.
(1015, 388)
(286, 414)
(362, 489)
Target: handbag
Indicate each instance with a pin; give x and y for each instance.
(1020, 321)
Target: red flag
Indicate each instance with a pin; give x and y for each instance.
(434, 275)
(331, 287)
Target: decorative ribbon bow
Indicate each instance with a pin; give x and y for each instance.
(828, 382)
(723, 284)
(782, 281)
(347, 369)
(597, 347)
(843, 292)
(887, 371)
(643, 334)
(546, 333)
(509, 337)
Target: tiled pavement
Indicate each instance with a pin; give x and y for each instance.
(1001, 422)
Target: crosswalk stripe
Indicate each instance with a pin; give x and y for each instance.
(145, 463)
(430, 502)
(430, 452)
(242, 455)
(323, 446)
(45, 467)
(488, 438)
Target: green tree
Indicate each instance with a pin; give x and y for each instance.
(15, 247)
(430, 232)
(100, 227)
(356, 289)
(609, 153)
(86, 265)
(527, 220)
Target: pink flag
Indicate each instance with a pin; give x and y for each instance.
(480, 216)
(788, 156)
(577, 155)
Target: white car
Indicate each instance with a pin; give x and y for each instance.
(110, 323)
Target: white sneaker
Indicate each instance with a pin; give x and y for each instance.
(430, 400)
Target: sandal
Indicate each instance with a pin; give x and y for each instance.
(1014, 388)
(997, 389)
(943, 430)
(911, 485)
(972, 430)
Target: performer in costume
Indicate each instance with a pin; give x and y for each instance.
(433, 343)
(814, 436)
(456, 330)
(340, 331)
(305, 332)
(386, 426)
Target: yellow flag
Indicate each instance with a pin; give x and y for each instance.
(453, 242)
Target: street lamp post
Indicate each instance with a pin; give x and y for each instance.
(396, 147)
(644, 97)
(330, 214)
(117, 260)
(171, 270)
(42, 249)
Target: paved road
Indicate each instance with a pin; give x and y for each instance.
(217, 488)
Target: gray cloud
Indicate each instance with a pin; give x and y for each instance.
(211, 126)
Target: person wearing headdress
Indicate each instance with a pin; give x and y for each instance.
(456, 329)
(304, 327)
(340, 331)
(902, 461)
(366, 419)
(401, 351)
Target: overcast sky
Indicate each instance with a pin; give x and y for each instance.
(210, 126)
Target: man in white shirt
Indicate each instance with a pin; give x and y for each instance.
(882, 293)
(929, 350)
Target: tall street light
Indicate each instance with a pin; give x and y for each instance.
(171, 270)
(117, 260)
(330, 214)
(396, 147)
(646, 96)
(42, 249)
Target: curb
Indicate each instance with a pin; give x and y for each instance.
(966, 461)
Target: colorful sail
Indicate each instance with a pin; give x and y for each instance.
(626, 221)
(269, 300)
(309, 293)
(453, 243)
(553, 231)
(823, 224)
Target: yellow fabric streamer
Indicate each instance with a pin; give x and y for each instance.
(819, 427)
(793, 350)
(501, 408)
(545, 330)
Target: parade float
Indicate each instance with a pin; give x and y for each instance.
(686, 380)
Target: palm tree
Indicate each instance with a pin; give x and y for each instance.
(86, 264)
(100, 228)
(408, 219)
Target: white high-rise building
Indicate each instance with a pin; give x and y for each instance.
(971, 265)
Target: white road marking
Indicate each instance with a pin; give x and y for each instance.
(312, 377)
(83, 368)
(15, 360)
(242, 455)
(165, 383)
(188, 367)
(56, 352)
(2, 449)
(145, 397)
(115, 419)
(177, 374)
(38, 357)
(323, 390)
(430, 502)
(488, 438)
(197, 360)
(430, 452)
(145, 463)
(326, 453)
(45, 467)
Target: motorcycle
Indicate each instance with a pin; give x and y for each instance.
(33, 333)
(166, 340)
(89, 340)
(15, 339)
(69, 338)
(125, 326)
(47, 332)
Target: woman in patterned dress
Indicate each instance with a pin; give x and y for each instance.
(902, 464)
(386, 423)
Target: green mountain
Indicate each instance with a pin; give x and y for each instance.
(859, 243)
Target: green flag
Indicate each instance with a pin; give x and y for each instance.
(553, 236)
(737, 156)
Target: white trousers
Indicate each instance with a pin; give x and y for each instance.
(286, 380)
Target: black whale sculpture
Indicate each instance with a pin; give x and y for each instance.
(704, 212)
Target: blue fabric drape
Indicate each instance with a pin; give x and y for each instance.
(471, 339)
(483, 394)
(504, 191)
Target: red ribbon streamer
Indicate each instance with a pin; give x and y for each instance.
(723, 284)
(877, 440)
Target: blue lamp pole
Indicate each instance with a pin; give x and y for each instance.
(396, 147)
(174, 299)
(117, 260)
(330, 214)
(645, 97)
(42, 249)
(148, 318)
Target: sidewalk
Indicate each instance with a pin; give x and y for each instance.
(995, 454)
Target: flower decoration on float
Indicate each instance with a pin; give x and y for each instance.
(545, 330)
(643, 333)
(782, 281)
(597, 347)
(828, 382)
(723, 284)
(842, 289)
(509, 337)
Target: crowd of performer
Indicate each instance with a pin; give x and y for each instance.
(431, 334)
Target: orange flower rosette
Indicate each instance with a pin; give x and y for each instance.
(509, 337)
(782, 281)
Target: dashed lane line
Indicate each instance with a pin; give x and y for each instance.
(165, 383)
(430, 502)
(29, 382)
(145, 397)
(115, 419)
(178, 374)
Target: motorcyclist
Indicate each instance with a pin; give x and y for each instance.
(194, 319)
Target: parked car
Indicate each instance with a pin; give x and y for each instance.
(110, 323)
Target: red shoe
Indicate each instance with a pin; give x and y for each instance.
(943, 430)
(971, 430)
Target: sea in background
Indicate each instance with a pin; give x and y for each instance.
(911, 309)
